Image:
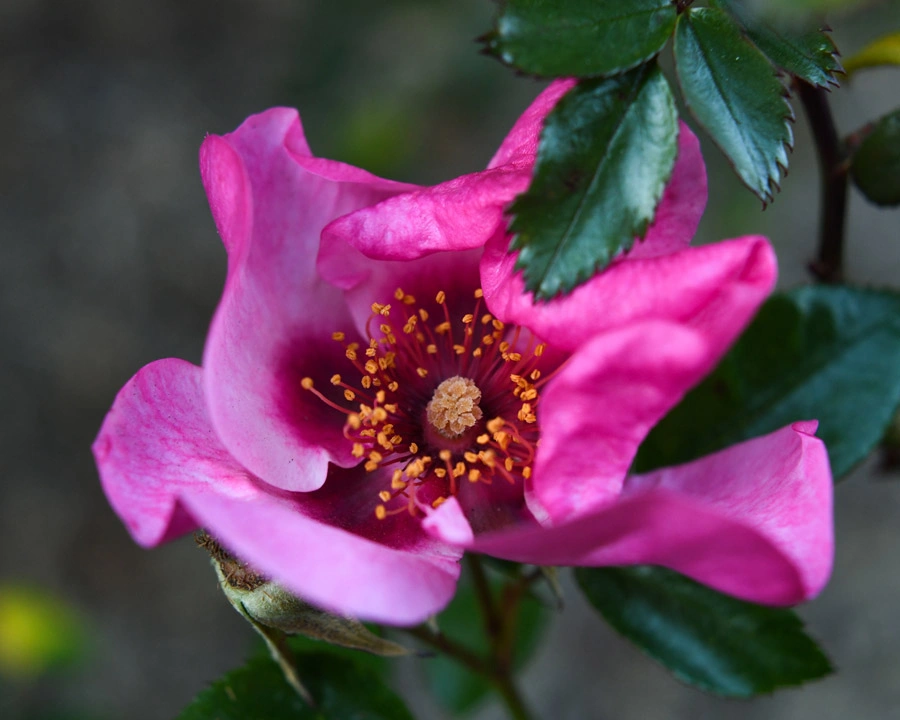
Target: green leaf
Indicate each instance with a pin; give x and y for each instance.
(732, 90)
(581, 38)
(882, 51)
(876, 163)
(715, 642)
(810, 55)
(342, 690)
(823, 352)
(606, 153)
(455, 686)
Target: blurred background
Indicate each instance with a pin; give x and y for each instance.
(109, 259)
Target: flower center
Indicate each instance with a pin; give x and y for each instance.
(454, 407)
(441, 402)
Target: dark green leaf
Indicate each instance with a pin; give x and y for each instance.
(342, 689)
(732, 90)
(456, 687)
(606, 153)
(810, 55)
(720, 644)
(824, 352)
(581, 38)
(876, 164)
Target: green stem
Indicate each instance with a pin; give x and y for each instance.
(493, 623)
(828, 265)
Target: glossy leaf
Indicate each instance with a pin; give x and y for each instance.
(606, 153)
(715, 642)
(876, 163)
(732, 90)
(823, 352)
(883, 51)
(456, 687)
(342, 690)
(810, 55)
(581, 38)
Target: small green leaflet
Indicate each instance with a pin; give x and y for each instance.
(715, 642)
(732, 90)
(830, 353)
(810, 55)
(876, 163)
(581, 38)
(878, 53)
(606, 153)
(343, 690)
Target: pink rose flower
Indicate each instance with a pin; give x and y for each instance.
(379, 394)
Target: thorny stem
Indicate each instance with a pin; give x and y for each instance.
(828, 265)
(500, 628)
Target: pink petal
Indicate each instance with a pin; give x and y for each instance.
(460, 214)
(715, 289)
(275, 320)
(753, 520)
(520, 145)
(600, 406)
(164, 471)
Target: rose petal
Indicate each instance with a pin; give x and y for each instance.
(164, 470)
(753, 520)
(600, 406)
(274, 323)
(714, 288)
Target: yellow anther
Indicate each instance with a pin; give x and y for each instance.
(535, 374)
(539, 350)
(351, 351)
(335, 379)
(483, 439)
(385, 328)
(431, 349)
(470, 456)
(421, 372)
(371, 352)
(515, 357)
(517, 379)
(366, 381)
(339, 336)
(445, 455)
(371, 466)
(529, 394)
(474, 475)
(467, 318)
(379, 415)
(392, 386)
(476, 352)
(390, 407)
(498, 325)
(495, 424)
(409, 300)
(487, 457)
(384, 495)
(440, 297)
(354, 421)
(459, 470)
(508, 463)
(502, 439)
(440, 472)
(423, 313)
(459, 349)
(371, 367)
(410, 325)
(413, 448)
(396, 440)
(438, 502)
(375, 456)
(526, 472)
(486, 318)
(399, 294)
(358, 450)
(379, 397)
(397, 481)
(488, 339)
(349, 395)
(444, 327)
(306, 383)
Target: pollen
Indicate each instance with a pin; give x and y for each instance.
(454, 406)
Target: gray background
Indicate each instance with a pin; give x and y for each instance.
(109, 260)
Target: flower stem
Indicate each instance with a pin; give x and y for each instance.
(828, 265)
